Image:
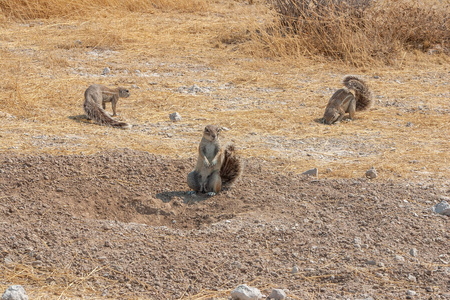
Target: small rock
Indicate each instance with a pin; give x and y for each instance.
(106, 71)
(409, 124)
(413, 252)
(371, 262)
(399, 258)
(15, 292)
(294, 269)
(371, 173)
(313, 172)
(175, 117)
(244, 292)
(442, 208)
(411, 293)
(412, 278)
(277, 294)
(195, 89)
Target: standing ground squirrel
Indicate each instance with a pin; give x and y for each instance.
(98, 94)
(344, 101)
(216, 166)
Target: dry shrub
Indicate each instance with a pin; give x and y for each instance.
(355, 31)
(26, 9)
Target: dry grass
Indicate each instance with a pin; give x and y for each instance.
(44, 9)
(358, 32)
(267, 93)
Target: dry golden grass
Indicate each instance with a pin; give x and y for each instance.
(44, 9)
(362, 33)
(270, 101)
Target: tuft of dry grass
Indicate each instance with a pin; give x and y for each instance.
(358, 32)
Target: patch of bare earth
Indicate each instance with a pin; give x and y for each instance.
(119, 225)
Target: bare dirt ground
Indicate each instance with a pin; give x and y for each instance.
(119, 224)
(91, 212)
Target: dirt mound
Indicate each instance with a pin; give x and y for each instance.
(120, 224)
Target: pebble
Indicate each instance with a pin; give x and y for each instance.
(371, 173)
(313, 172)
(413, 252)
(399, 258)
(442, 208)
(175, 117)
(411, 293)
(8, 261)
(244, 292)
(106, 71)
(277, 294)
(294, 269)
(15, 292)
(371, 262)
(412, 278)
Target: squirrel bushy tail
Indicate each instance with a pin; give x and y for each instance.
(362, 93)
(231, 168)
(98, 114)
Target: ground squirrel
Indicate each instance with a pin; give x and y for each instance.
(216, 166)
(98, 94)
(344, 101)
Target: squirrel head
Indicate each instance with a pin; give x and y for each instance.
(124, 93)
(211, 132)
(330, 116)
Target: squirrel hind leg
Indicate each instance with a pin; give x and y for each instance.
(352, 109)
(214, 183)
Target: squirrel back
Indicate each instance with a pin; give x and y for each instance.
(231, 168)
(93, 98)
(362, 93)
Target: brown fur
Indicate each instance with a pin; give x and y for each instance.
(215, 166)
(97, 95)
(354, 97)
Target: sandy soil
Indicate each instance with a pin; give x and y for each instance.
(120, 225)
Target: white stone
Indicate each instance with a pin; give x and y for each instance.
(413, 252)
(412, 278)
(106, 71)
(442, 208)
(277, 294)
(399, 258)
(15, 292)
(175, 117)
(244, 292)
